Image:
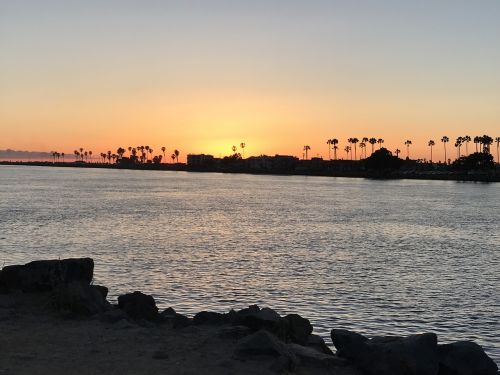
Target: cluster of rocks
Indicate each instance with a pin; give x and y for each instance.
(260, 332)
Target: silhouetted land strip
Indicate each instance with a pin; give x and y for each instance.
(54, 320)
(339, 168)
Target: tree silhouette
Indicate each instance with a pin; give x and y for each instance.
(243, 145)
(329, 143)
(176, 153)
(486, 141)
(347, 149)
(476, 142)
(431, 144)
(372, 141)
(445, 140)
(354, 141)
(362, 146)
(306, 149)
(458, 144)
(467, 139)
(407, 144)
(497, 140)
(163, 149)
(380, 141)
(397, 152)
(173, 158)
(335, 142)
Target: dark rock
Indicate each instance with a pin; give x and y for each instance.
(80, 299)
(46, 275)
(267, 319)
(210, 318)
(317, 343)
(299, 328)
(412, 355)
(175, 319)
(311, 358)
(250, 310)
(465, 358)
(139, 306)
(261, 343)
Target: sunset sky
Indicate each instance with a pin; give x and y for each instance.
(201, 76)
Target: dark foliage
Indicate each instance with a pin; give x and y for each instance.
(475, 161)
(383, 160)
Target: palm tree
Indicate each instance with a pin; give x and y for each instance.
(129, 151)
(372, 141)
(176, 153)
(90, 155)
(431, 144)
(234, 149)
(458, 144)
(497, 140)
(476, 142)
(380, 141)
(487, 141)
(347, 149)
(329, 143)
(86, 156)
(362, 147)
(354, 141)
(467, 139)
(173, 157)
(408, 143)
(306, 149)
(62, 154)
(109, 157)
(77, 155)
(445, 140)
(397, 152)
(335, 141)
(243, 145)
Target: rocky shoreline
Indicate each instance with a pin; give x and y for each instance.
(54, 321)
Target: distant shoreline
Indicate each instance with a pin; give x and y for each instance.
(492, 176)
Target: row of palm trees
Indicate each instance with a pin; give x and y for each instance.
(482, 143)
(139, 154)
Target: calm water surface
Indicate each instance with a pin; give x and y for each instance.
(378, 257)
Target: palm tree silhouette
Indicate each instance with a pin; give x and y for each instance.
(62, 154)
(329, 143)
(431, 144)
(445, 140)
(362, 147)
(243, 145)
(176, 153)
(467, 139)
(486, 140)
(347, 149)
(476, 142)
(458, 144)
(173, 157)
(497, 140)
(380, 141)
(306, 149)
(372, 141)
(407, 144)
(234, 149)
(354, 141)
(129, 151)
(398, 151)
(335, 141)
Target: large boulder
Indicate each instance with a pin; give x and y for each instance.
(412, 355)
(139, 306)
(317, 343)
(312, 359)
(299, 328)
(80, 299)
(263, 344)
(465, 358)
(174, 318)
(46, 275)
